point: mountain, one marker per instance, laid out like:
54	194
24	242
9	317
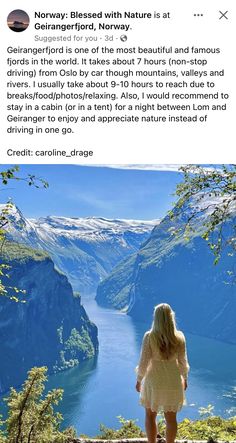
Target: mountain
51	328
170	269
85	249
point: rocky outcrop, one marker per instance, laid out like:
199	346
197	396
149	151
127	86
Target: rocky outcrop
51	328
115	290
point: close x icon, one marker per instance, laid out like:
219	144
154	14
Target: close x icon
224	15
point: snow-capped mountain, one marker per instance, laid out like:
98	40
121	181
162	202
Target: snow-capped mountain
85	249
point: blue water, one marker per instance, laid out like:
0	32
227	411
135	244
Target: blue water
99	390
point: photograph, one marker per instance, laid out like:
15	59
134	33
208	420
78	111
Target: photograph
117	304
18	20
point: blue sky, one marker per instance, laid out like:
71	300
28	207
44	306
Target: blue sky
81	191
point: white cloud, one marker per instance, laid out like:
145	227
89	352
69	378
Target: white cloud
150	167
167	167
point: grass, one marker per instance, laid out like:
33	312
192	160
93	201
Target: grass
16	251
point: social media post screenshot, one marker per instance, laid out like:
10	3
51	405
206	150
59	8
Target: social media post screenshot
117	223
98	84
105	269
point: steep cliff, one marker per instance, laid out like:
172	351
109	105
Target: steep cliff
85	249
115	290
169	269
51	328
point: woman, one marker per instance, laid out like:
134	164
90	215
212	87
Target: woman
162	372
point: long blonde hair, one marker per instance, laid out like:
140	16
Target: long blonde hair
164	333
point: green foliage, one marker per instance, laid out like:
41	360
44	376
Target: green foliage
65	363
76	343
60	334
4	290
2	433
31	180
80	342
216	428
128	429
6	176
199	182
15	251
22	253
32	419
212	427
31	416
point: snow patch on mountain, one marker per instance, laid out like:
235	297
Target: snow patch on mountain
86	249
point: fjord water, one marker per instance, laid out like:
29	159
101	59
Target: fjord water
100	390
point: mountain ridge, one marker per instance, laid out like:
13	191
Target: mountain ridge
51	328
86	249
168	268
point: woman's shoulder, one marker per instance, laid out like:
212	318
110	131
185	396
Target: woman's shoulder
180	336
147	334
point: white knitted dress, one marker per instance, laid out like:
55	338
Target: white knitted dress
162	387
